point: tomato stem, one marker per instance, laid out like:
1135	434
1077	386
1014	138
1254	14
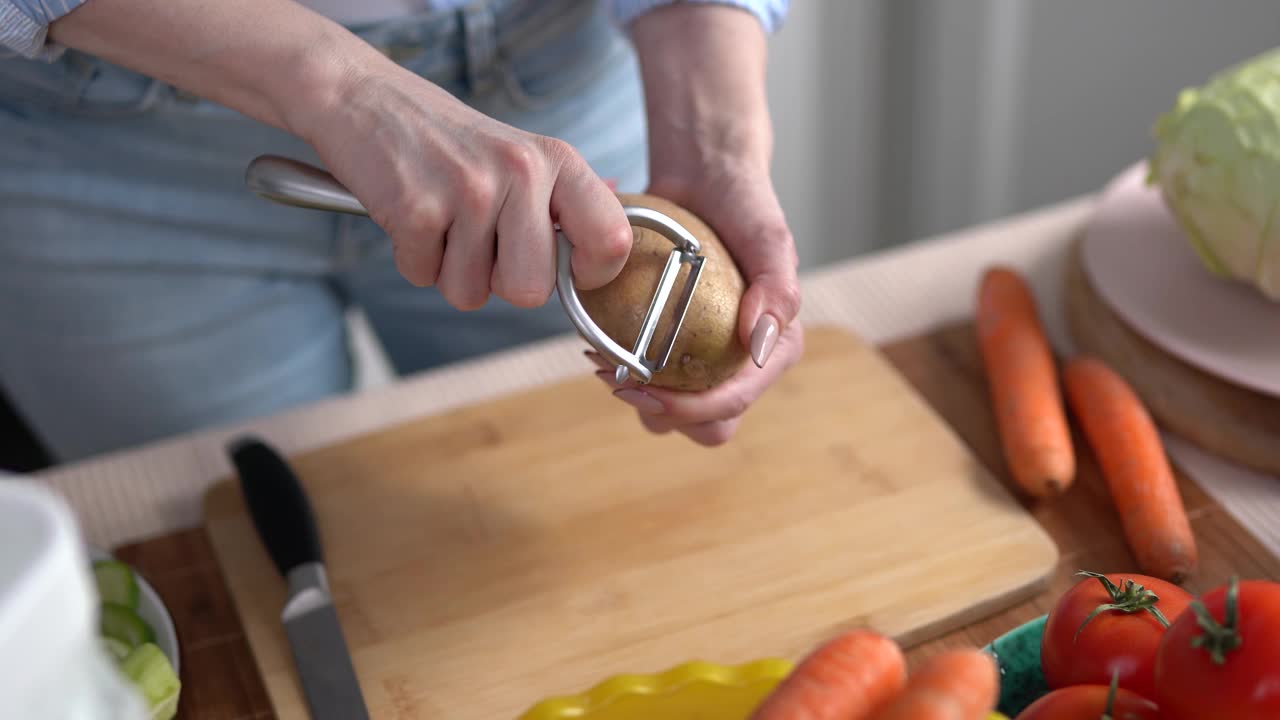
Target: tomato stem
1131	598
1111	696
1219	639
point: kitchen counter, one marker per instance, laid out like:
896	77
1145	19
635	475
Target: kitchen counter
158	488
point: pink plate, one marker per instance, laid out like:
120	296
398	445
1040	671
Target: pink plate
1144	267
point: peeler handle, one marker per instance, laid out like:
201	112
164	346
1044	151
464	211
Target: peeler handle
293	182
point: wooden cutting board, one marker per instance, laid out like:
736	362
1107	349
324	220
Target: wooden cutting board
1228	420
489	557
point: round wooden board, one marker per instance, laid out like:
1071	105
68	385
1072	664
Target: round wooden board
1225	419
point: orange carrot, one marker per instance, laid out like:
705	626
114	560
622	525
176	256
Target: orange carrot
846	678
1023	384
952	685
1133	462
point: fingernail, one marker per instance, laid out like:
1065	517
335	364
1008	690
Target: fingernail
640	400
596	358
608	377
763	338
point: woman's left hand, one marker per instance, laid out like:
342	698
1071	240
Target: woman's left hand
744	213
710	148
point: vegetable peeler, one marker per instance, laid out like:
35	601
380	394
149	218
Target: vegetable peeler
292	182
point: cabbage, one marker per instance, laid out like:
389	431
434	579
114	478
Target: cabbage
1217	165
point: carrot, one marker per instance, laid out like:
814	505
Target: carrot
1023	384
846	678
1137	472
952	685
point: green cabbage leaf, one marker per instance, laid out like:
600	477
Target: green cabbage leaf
1217	165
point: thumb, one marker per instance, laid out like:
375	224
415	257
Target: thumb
769	265
592	218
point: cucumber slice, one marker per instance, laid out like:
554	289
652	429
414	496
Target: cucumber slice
123	624
151	672
116	583
165	709
118	648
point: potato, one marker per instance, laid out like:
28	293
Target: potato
707	351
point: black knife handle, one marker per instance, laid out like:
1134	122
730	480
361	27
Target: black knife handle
277	504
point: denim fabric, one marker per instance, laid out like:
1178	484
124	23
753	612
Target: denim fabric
144	291
24	24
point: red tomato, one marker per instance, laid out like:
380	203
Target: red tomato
1122	637
1089	702
1222	659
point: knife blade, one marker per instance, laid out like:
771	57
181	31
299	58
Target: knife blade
286	525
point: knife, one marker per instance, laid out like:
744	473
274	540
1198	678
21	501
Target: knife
286	525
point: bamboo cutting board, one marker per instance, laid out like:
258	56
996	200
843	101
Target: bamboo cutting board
486	558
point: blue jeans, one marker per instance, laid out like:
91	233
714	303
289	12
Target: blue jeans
144	291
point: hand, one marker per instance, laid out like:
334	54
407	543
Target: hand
469	202
710	147
741	207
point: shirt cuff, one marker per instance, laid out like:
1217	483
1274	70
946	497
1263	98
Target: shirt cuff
23	35
770	13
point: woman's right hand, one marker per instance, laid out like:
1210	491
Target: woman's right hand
469	202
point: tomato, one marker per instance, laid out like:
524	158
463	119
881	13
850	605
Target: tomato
1222	659
1122	637
1090	702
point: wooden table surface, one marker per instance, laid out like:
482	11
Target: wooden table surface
221	681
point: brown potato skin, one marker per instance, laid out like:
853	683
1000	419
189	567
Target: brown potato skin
707	351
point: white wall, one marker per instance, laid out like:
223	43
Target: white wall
1101	71
901	119
825	78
